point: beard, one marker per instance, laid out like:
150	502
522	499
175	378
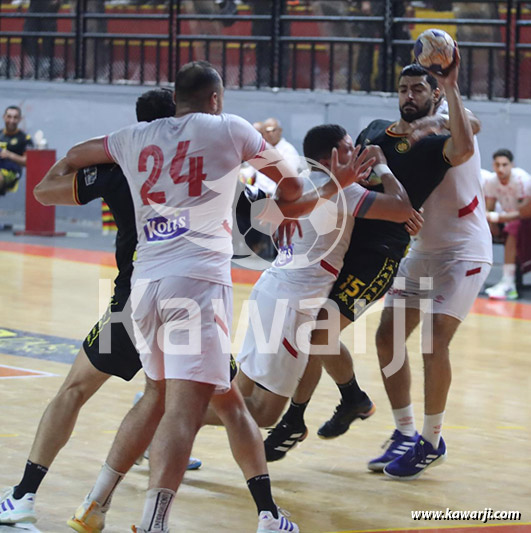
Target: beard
414	112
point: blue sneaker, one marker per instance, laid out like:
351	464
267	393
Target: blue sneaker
421	456
194	463
395	447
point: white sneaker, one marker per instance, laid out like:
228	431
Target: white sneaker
88	518
13	511
267	523
502	291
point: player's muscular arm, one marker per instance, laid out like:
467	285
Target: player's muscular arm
357	169
460	147
56	188
271	163
393	204
87	154
439	124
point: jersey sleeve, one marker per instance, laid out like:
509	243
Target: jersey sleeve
118	145
247	141
358	199
433	156
95	182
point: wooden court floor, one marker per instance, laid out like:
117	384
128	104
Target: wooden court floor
52	293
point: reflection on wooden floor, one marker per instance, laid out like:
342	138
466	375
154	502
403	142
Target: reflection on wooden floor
324	484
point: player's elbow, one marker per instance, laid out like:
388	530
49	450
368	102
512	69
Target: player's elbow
463	153
290	189
42	194
402	210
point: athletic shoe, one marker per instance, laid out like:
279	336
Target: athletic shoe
502	291
13	511
416	460
88	518
394	447
344	415
267	523
282	438
194	463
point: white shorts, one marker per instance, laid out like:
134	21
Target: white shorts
182	330
455	284
278	363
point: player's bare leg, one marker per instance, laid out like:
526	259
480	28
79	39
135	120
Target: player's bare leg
264	406
133	437
59	418
397	385
437	367
55	428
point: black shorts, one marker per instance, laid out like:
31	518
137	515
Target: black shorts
123	360
365	277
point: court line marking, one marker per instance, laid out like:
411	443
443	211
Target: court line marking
34	373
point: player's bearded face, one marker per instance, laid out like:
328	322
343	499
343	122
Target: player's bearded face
413	110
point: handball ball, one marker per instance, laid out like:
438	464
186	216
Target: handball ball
435	50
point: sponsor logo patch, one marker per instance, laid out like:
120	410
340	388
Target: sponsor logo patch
164	229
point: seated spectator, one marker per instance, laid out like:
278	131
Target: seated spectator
272	133
13	146
511	188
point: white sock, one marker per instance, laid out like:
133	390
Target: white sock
108	480
432	428
405	420
509	273
157	510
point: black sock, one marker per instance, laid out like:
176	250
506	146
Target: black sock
32	478
260	488
295	413
351	392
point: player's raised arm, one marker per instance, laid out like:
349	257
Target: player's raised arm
460	146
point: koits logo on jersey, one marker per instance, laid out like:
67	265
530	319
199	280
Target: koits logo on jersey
163	229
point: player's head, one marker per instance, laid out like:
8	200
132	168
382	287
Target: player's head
198	88
12	117
502	163
417	92
154	104
272	131
320	141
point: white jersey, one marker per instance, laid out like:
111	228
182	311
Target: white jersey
512	193
455	220
317	258
182	173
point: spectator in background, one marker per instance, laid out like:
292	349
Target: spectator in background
511	187
13	146
30	45
273	135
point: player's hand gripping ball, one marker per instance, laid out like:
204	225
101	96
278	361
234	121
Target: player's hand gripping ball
436	51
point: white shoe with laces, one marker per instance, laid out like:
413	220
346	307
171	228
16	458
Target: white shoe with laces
267	523
14	511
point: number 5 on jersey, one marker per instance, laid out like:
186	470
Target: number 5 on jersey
194	177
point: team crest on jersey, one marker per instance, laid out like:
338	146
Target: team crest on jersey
402	146
164	229
13	141
90	174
